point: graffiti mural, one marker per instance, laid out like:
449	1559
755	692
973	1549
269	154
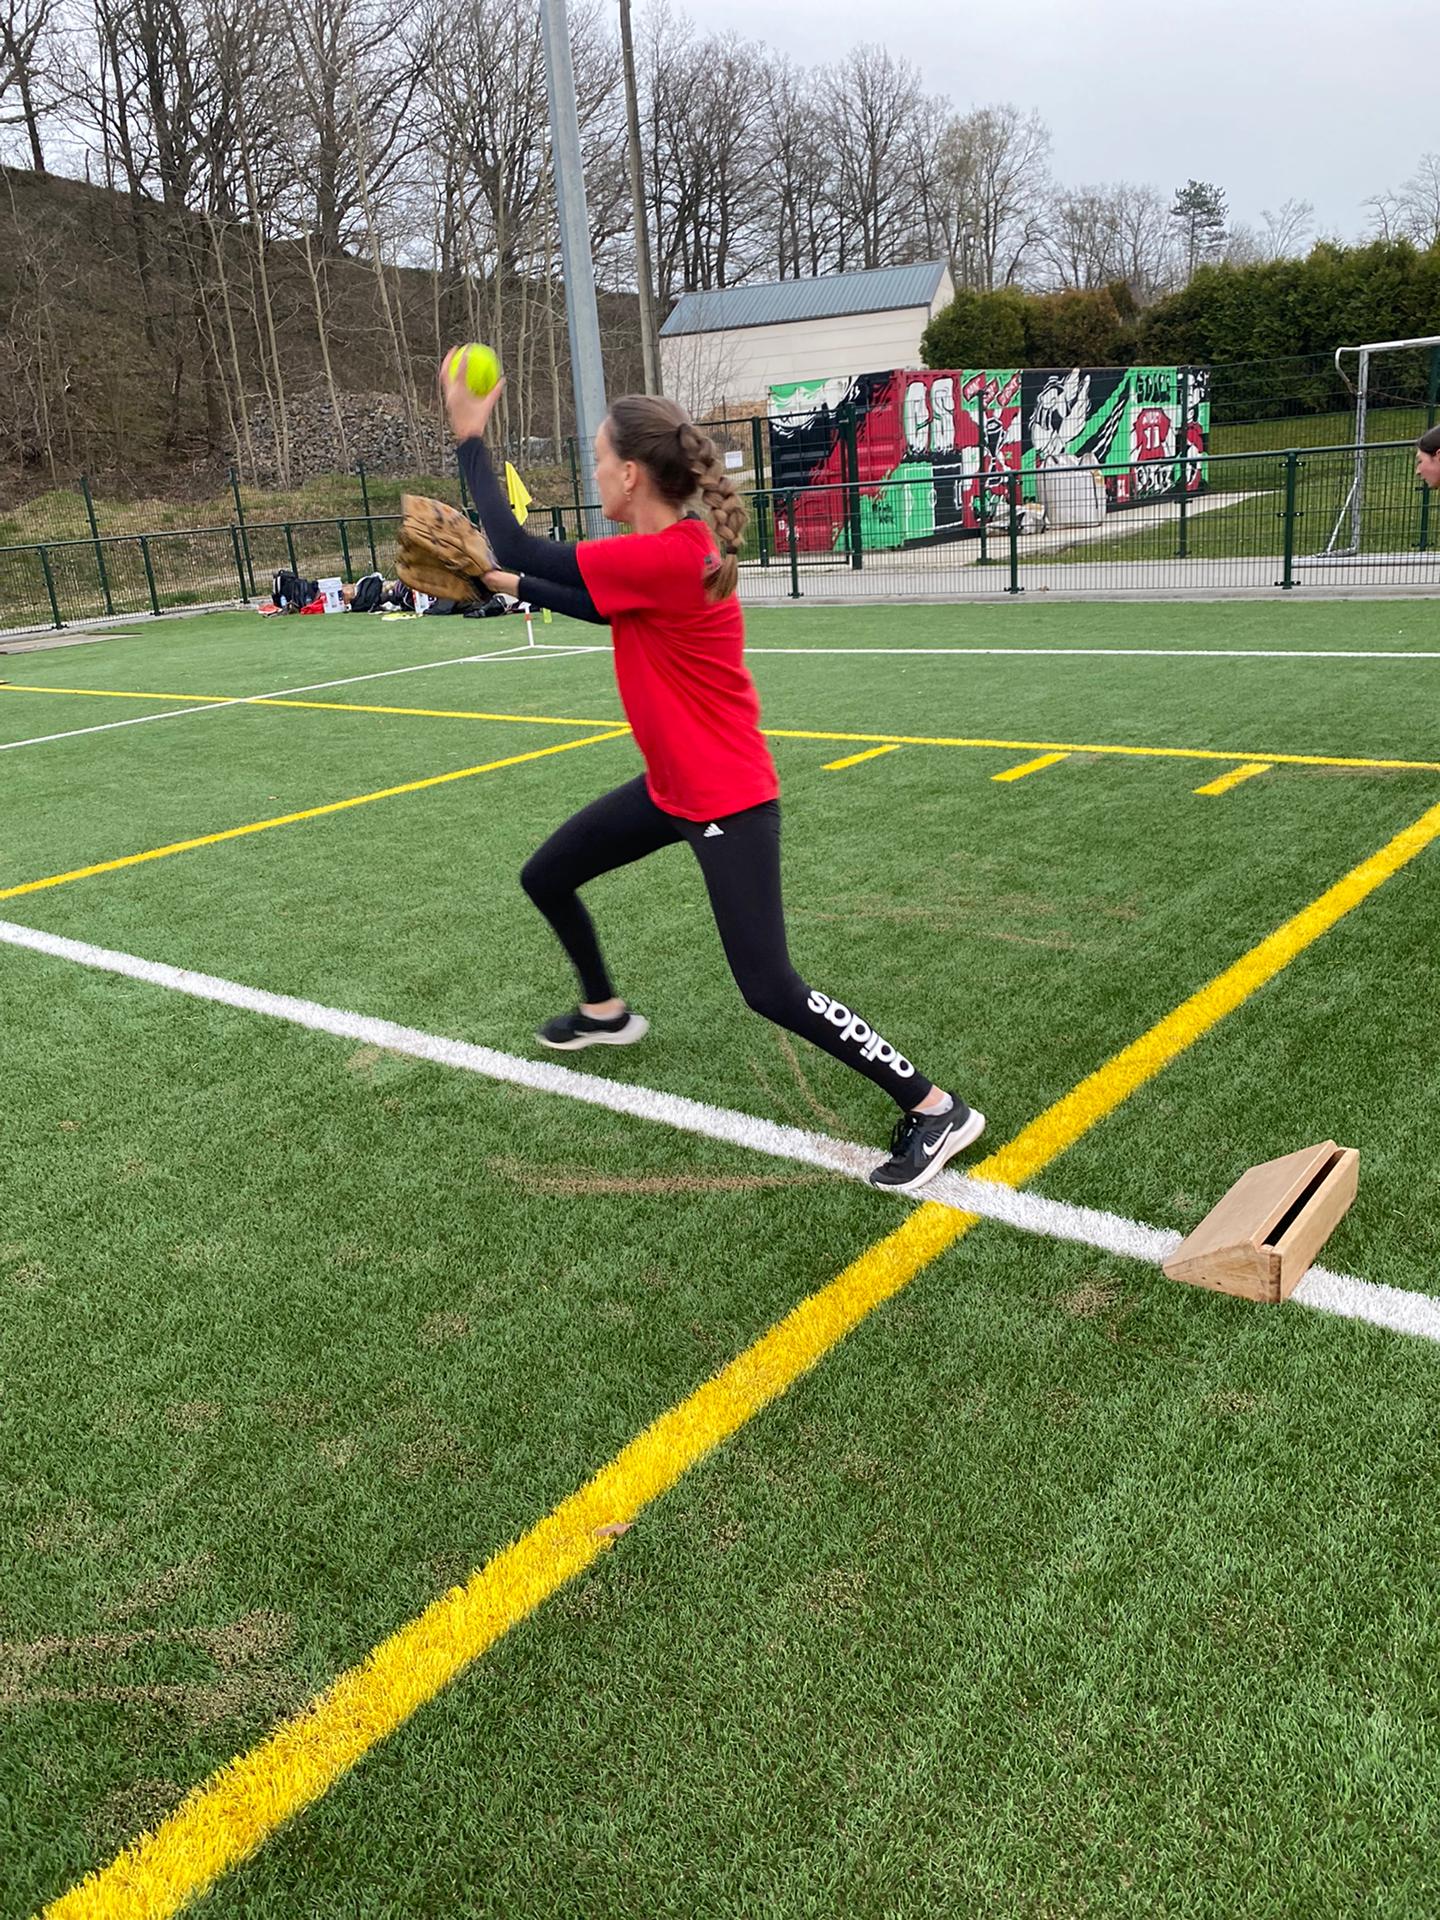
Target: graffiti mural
911	458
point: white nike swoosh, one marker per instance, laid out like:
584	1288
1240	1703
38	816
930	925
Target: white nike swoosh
929	1151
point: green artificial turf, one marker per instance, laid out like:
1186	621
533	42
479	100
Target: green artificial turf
1054	1590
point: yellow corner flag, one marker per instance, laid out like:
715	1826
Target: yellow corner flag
519	494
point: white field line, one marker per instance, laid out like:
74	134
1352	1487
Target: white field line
521	652
1336	1293
1106	653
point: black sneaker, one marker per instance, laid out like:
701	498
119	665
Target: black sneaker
577	1029
922	1143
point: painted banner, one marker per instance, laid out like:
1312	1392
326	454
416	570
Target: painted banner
908	459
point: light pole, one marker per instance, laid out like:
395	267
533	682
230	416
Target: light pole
581	316
649	346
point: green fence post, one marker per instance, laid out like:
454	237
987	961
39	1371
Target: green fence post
149	574
50	586
1013	488
95	536
290	547
557	523
1182	447
244	530
852	492
1292	470
757	451
794	552
575	483
239	559
345	548
369	520
982	514
762	526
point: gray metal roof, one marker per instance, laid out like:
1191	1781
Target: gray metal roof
879	291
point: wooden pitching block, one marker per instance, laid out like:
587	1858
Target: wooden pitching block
1268	1229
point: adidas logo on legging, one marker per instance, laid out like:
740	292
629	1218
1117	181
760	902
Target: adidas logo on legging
853	1028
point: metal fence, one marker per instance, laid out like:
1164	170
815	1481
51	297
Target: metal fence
1312	519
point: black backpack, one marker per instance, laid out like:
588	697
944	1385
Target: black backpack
369	592
290	592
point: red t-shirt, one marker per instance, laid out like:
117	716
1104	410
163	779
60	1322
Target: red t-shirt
680	664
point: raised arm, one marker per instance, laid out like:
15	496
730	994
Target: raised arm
516	550
548	571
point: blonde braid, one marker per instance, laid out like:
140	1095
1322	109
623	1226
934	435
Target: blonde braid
723	504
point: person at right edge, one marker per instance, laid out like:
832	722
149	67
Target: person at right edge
667	590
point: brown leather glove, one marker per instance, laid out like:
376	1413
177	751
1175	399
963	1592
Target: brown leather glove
438	551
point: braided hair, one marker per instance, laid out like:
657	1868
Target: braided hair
684	464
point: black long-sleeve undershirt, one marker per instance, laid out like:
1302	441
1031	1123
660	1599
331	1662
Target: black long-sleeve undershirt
549	570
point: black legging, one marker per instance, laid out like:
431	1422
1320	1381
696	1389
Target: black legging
741	865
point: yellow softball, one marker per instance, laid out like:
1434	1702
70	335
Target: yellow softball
482	367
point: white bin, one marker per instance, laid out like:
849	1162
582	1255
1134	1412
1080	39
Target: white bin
1072	496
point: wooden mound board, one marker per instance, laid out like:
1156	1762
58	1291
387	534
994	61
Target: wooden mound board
1269	1228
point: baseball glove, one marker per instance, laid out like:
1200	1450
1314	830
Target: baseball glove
439	552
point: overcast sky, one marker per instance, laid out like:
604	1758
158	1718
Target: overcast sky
1322	100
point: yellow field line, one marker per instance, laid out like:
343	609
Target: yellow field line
1235	776
225	1820
854	759
789	733
1031	766
289	819
324	706
1076	746
109	693
432	713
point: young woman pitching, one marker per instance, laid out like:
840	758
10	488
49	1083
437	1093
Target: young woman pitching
667	592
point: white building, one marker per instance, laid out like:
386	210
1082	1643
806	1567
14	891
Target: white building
729	348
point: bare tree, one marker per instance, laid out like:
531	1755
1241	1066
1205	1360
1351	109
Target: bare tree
997	173
870	102
1417	204
1242	246
800	212
703	106
28	69
343	51
1284	233
1082	240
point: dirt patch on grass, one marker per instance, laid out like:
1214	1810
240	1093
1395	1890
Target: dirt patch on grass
252	1638
136	1808
816	1106
193	1416
193	1256
425	1444
439	1329
77	1527
247	1685
1089	1302
1229	1404
161	1589
835	1593
572	1185
297	1411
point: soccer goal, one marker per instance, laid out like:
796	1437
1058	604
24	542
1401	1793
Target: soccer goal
1349	516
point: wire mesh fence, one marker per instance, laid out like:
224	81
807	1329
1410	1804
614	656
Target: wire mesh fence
1308	519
